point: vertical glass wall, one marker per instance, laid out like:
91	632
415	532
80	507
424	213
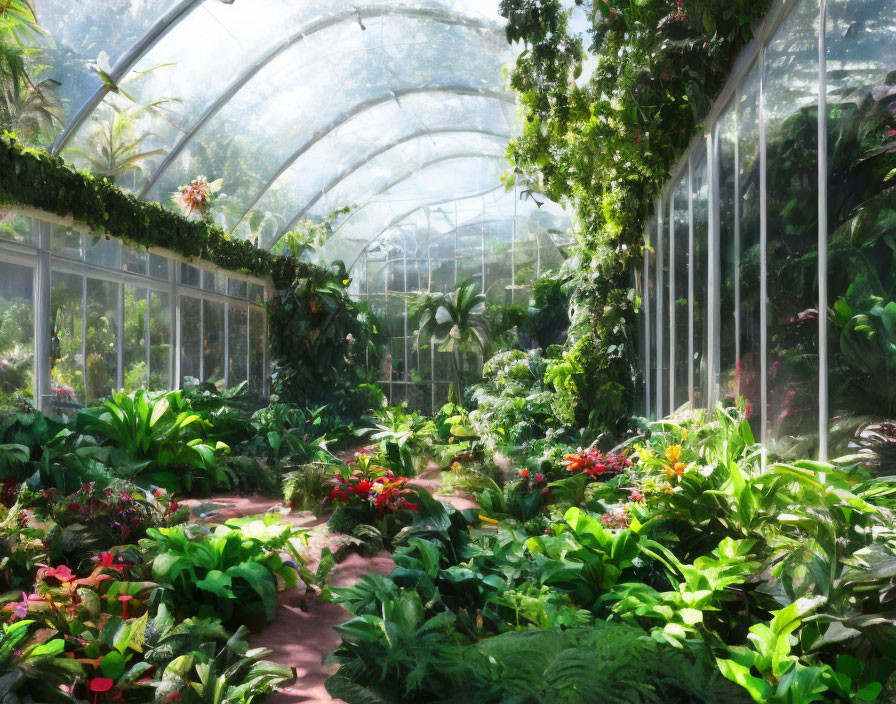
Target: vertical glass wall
820	346
107	321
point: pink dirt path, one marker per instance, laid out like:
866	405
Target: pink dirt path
302	634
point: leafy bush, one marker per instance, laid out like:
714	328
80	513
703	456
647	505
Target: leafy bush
231	571
158	436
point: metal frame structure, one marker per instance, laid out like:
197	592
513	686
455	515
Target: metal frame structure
45	260
295	39
751	65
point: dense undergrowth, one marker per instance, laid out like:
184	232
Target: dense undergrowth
685	566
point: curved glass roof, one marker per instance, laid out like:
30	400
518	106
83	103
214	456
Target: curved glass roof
301	107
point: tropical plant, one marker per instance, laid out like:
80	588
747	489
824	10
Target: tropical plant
232	571
456	322
158	435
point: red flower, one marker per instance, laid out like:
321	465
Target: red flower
363	487
407	505
524	473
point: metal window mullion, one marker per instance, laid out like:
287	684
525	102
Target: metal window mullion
659	310
407	359
147	323
691	259
84	334
202	339
738	372
671	304
174	356
646	352
119	338
712	308
43	311
823	401
763	249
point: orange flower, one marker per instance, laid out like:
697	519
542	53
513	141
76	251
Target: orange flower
673	453
676	470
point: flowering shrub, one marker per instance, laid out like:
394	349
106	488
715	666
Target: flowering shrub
596	465
377	490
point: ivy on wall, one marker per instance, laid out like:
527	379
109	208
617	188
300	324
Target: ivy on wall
606	143
35	179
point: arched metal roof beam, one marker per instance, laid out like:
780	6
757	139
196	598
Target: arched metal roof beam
159	29
356	110
382	150
441	16
410	212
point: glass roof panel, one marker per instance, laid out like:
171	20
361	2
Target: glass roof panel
307	198
397	108
320	84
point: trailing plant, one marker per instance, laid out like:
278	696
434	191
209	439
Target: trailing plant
34	179
606	142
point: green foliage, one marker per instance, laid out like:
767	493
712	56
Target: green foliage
606	142
37	180
457	323
322	342
160	436
230	571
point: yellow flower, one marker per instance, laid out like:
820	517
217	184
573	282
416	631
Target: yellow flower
684	434
673	453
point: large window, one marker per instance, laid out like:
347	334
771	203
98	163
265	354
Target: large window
783	239
108	321
16	331
861	137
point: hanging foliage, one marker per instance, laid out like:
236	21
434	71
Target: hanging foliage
606	143
32	178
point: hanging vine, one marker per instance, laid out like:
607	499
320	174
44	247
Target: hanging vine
606	143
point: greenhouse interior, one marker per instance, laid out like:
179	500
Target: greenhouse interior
481	351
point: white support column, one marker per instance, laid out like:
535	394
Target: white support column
119	334
227	345
763	258
645	278
659	309
691	260
43	393
823	402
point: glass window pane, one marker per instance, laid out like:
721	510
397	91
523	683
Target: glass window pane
66	242
101	339
190	275
650	310
790	104
160	349
134	340
214	281
103	251
158	266
17	228
861	57
237	288
257	372
190	340
134	260
213	342
16	331
664	260
679	289
66	343
748	374
256	293
699	256
729	241
238	331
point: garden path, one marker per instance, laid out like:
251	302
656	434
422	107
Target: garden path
302	634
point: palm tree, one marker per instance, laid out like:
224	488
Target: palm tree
457	322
